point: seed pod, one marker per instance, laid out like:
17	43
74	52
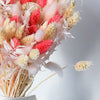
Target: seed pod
34	54
28	39
82	65
50	32
19	32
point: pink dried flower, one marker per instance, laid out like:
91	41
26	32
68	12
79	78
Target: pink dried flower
11	2
32	29
56	18
44	46
34	18
14	43
42	3
14	18
25	1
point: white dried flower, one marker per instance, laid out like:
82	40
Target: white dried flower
21	61
82	65
34	54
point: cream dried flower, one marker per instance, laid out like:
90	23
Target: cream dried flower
73	19
44	26
10	30
30	5
70	10
2	36
22	61
82	65
28	39
6	22
50	32
19	32
34	54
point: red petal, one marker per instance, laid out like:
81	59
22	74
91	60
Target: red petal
25	1
56	18
42	3
32	29
44	46
16	42
34	17
14	18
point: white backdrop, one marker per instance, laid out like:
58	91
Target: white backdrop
78	85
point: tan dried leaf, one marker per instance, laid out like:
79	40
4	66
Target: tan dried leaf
82	65
28	39
50	32
34	54
19	32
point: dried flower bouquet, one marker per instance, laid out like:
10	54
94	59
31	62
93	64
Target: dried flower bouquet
29	32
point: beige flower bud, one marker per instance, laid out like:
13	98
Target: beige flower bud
73	19
21	61
70	10
82	65
34	54
28	39
50	32
10	30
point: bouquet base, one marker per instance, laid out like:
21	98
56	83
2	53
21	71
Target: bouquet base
20	98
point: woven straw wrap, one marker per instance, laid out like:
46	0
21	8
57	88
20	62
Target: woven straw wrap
17	84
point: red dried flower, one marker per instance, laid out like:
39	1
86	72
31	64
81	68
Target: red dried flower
11	2
25	1
44	46
56	18
42	3
14	18
32	29
15	43
34	18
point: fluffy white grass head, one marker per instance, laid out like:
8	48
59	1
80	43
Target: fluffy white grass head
82	65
